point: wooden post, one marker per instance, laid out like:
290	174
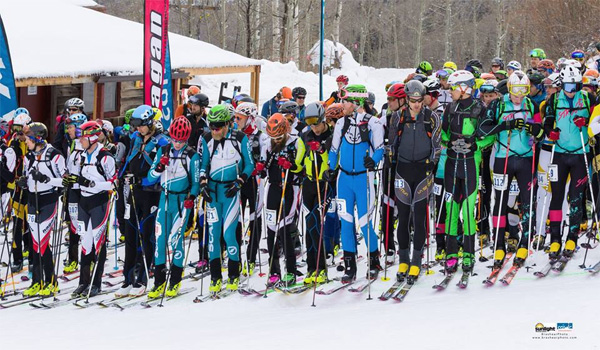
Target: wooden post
255	84
98	101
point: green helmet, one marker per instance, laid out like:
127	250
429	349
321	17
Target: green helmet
539	53
425	68
219	113
355	93
128	115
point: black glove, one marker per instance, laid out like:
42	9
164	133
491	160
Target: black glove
514	124
330	175
22	182
39	177
369	163
534	130
204	192
234	188
82	181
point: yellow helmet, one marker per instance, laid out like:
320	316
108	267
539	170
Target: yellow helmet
158	113
450	65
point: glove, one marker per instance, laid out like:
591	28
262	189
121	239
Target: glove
69	180
369	163
160	167
514	124
259	169
330	175
22	182
204	193
534	130
580	122
39	177
82	181
284	163
314	146
234	188
188	203
554	135
459	146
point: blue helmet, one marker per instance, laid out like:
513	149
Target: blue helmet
76	119
21	110
142	116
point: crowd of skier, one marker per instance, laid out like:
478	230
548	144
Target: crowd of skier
474	157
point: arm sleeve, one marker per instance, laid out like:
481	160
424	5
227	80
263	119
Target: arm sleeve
110	170
376	138
247	155
7	171
58	162
335	144
436	146
153	176
489	124
195	173
300	151
205	159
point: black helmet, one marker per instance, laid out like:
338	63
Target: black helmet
298	91
501	87
415	89
419	77
38	131
474	63
497	61
289	107
536	78
239	98
199	99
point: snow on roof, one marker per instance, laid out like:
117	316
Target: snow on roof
57	39
84	3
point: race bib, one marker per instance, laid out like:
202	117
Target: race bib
399	183
542	179
500	181
332	207
126	215
553	172
341	206
271	217
514	187
480	183
437	189
448	197
211	215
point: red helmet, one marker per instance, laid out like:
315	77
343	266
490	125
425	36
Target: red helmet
180	129
91	130
397	91
342	79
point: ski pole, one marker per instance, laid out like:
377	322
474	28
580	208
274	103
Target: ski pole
37	220
203	245
116	267
533	180
368	231
59	226
316	174
277	225
587	172
184	217
504	187
387	216
12	277
469	211
139	231
194	229
547	190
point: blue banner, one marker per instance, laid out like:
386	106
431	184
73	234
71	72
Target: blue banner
8	91
167	91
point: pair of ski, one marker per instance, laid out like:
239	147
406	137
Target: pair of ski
507	278
224	293
556	265
397	291
462	284
134	300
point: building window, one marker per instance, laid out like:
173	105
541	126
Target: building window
111	104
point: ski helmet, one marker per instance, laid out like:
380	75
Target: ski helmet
107	127
371	98
314	113
335	111
128	115
158	126
289	107
553	80
142	116
433	87
519	84
573	63
450	65
419	77
387	86
502	87
424	68
415	90
355	94
537	53
247	109
497	61
463	79
37	132
501	75
75	103
474	63
219	114
91	130
181	129
21	110
76	119
571	79
157	113
546	65
193	90
536	78
277	125
591	73
514	65
299	92
443	73
199	100
342	79
397	91
22	119
239	98
286	93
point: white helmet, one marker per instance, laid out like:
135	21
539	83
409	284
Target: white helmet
570	74
553	80
107	126
518	83
248	109
573	63
22	119
514	65
464	78
75	102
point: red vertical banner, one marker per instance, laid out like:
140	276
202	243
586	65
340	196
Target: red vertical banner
156	27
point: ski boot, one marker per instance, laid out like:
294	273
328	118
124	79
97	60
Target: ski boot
233	283
248	269
137	290
16	267
538	242
467	263
95	290
402	270
460	252
321	277
413	274
375	266
157	291
554	252
440	254
80	291
273	279
32	291
499	256
215	286
390	258
289	279
124	290
350	268
451	265
173	290
569	248
310	278
201	266
71	267
522	254
49	289
336	250
511	244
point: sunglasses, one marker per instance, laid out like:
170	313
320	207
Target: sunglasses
300	97
454	87
311	121
390	99
496	65
216	126
73	109
17	128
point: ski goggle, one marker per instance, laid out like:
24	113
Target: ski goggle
577	55
571	87
519	90
135	122
462	87
17	128
311	120
487	88
278	138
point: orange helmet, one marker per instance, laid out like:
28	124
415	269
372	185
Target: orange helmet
335	111
193	90
277	125
286	92
591	73
488	76
546	64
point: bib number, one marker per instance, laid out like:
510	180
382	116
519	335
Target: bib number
211	215
437	189
514	188
500	181
332	207
448	197
341	206
126	215
553	172
399	183
271	217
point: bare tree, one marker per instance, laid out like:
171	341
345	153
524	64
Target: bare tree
276	51
419	39
336	20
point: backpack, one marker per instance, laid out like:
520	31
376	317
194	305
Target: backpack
185	153
363	129
50	154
